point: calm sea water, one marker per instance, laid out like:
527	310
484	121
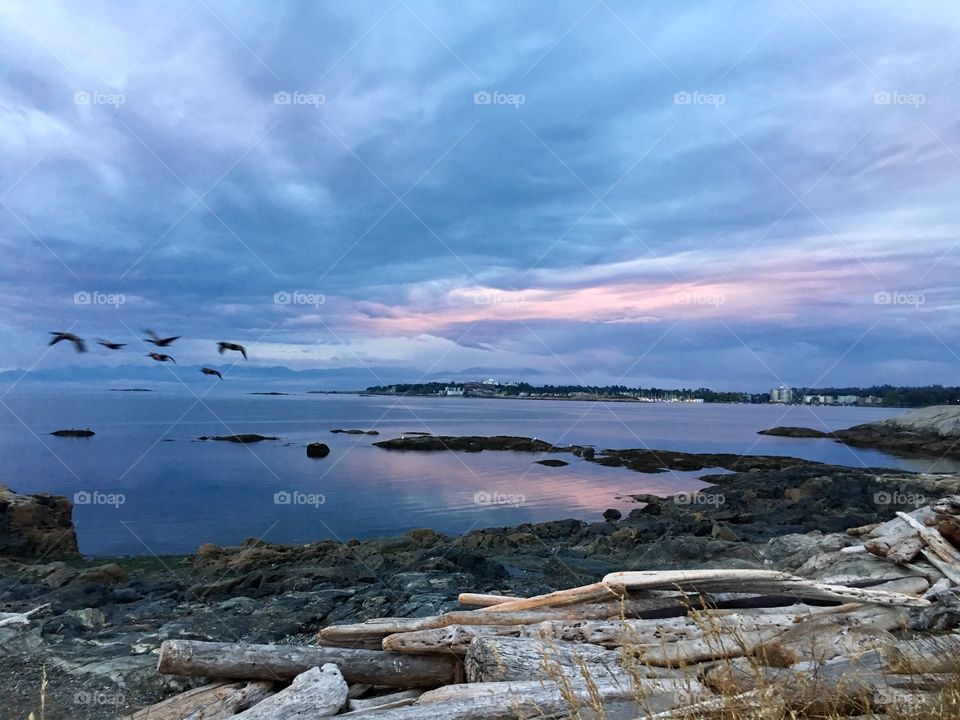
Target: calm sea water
154	489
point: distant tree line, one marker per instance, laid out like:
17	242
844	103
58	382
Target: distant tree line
893	396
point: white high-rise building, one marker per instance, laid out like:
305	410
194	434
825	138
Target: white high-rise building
781	394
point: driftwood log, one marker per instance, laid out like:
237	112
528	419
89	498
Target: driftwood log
209	702
284	662
318	692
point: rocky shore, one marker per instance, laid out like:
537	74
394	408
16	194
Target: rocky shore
106	619
927	432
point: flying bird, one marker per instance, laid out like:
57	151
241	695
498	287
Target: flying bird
211	371
78	343
160	357
222	346
111	345
159	341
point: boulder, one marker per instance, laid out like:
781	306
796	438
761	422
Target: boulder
317	450
612	515
38	525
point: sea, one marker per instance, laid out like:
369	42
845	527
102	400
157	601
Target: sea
146	485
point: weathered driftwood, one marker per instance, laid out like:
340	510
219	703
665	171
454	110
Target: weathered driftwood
318	692
757	581
374	631
938	544
397	699
820	644
585	593
501	701
284	662
481	600
949	572
209	702
938	654
19	619
515	659
900	549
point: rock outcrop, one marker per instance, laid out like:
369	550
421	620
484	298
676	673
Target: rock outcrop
37	525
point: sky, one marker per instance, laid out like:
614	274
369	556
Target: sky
733	195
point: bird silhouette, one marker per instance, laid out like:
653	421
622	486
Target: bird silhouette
78	343
160	357
159	341
211	371
111	345
222	346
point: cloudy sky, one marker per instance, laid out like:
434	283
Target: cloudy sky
700	193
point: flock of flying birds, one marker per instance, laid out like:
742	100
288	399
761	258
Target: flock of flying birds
80	345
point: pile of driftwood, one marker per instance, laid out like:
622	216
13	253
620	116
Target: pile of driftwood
668	644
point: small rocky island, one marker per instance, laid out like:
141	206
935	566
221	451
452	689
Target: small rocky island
932	431
74	433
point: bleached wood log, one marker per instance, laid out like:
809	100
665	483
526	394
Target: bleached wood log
900	549
950	572
757	581
897	525
932	537
941	585
374	631
466	691
820	644
586	593
397	699
20	619
283	662
515	659
481	600
317	692
936	654
502	701
737	705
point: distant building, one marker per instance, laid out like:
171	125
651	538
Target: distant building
489	381
781	395
450	391
847	399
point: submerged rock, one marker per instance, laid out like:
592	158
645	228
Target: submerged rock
87	432
245	438
355	431
795	432
317	450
